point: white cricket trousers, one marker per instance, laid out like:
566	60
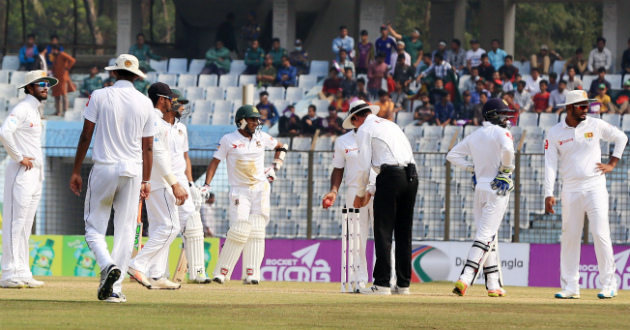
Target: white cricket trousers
106	188
163	229
22	192
366	220
248	200
575	205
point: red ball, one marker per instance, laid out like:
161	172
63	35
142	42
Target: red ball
327	203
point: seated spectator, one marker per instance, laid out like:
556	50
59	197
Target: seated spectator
465	112
299	58
621	103
508	97
594	90
400	52
339	102
364	51
28	54
277	53
578	62
399	97
436	93
413	44
553	82
141	84
486	70
91	83
217	60
349	85
363	97
386	44
254	58
625	61
508	68
424	114
471	83
506	84
272	115
494	89
143	53
332	125
573	82
441	49
342	42
361	87
386	106
424	64
267	73
110	80
376	72
532	84
403	73
456	56
557	97
600	57
541	100
480	88
331	85
478	119
496	55
602	98
344	62
542	61
310	122
473	55
444	111
522	97
289	123
287	75
439	68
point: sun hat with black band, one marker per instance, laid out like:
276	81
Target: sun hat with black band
127	62
576	96
36	76
356	107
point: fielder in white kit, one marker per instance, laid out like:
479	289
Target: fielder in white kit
249	193
21	136
123	156
574	143
149	265
492	151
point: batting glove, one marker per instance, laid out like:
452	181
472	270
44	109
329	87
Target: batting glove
471	169
195	196
270	173
503	182
204	192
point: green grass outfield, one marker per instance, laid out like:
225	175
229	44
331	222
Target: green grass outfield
70	303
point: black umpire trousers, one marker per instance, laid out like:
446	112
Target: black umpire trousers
394	202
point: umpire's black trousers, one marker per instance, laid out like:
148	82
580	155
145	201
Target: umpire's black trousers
394	202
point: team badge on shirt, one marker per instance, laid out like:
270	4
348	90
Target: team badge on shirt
258	144
588	136
236	202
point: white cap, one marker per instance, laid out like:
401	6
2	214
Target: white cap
577	96
358	106
37	76
127	62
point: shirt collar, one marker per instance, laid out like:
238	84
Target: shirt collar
487	124
123	83
158	112
584	122
32	100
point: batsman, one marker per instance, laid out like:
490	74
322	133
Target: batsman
492	151
249	209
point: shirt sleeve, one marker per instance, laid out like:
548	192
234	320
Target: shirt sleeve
150	125
551	165
371	188
364	160
507	148
339	161
91	111
457	155
269	141
612	134
7	132
185	130
222	149
161	155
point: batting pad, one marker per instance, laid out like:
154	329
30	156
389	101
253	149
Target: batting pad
236	238
254	249
193	234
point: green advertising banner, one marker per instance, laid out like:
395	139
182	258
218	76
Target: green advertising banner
46	255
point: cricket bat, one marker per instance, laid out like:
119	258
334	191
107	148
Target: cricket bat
137	243
182	267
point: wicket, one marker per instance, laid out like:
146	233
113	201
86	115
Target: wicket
350	247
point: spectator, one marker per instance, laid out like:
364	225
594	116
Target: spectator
344	62
558	97
385	44
361	87
496	78
456	56
508	68
399	97
250	31
542	61
141	84
506	84
444	111
435	95
299	58
289	123
310	122
91	83
254	58
508	98
400	52
349	85
386	106
332	125
465	112
600	57
272	116
54	40
478	119
486	70
207	216
621	103
424	114
471	83
577	62
625	61
496	55
217	60
277	53
287	74
364	54
28	54
226	34
143	53
376	73
573	82
424	64
342	42
553	82
480	88
110	80
541	99
62	64
522	97
413	44
403	73
533	82
267	74
339	102
440	50
473	55
494	89
594	89
440	68
603	99
331	85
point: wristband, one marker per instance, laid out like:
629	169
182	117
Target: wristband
190	183
170	179
146	181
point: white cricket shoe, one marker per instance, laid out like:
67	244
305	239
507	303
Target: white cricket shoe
607	294
163	283
116	297
109	276
377	290
32	283
566	294
200	279
250	280
140	277
398	290
219	279
12	283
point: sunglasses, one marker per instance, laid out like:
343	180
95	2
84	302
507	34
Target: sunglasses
42	84
166	97
581	106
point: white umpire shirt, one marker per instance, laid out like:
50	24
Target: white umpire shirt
21	132
490	146
162	171
578	151
179	146
380	142
345	156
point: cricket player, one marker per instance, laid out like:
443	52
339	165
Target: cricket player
492	150
574	144
149	265
244	150
21	136
123	159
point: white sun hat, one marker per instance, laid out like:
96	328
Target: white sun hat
358	106
32	77
127	62
577	96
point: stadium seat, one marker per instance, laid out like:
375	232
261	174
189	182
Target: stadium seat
4	76
194	93
228	80
429	144
281	105
207	80
432	131
196	65
404	118
159	66
625	124
413	131
245	79
301	144
533	133
319	69
525	68
167	78
321	106
224	106
234	93
294	94
323	143
202	106
214	93
221	116
186	80
112	61
178	65
17	77
468	129
528	119
548	120
587	80
307	82
236	104
200	118
517	133
462	81
80	103
12	102
10	62
450	130
8	91
615	81
152	77
612	118
557	67
237	67
275	93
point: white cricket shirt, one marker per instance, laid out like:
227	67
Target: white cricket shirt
345	156
245	157
179	145
21	132
161	152
577	151
490	147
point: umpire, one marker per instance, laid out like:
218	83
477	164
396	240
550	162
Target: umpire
384	146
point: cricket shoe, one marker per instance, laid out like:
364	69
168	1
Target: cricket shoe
140	277
500	292
376	290
250	280
32	283
200	279
109	276
163	283
566	294
460	288
398	290
607	294
12	283
116	297
219	279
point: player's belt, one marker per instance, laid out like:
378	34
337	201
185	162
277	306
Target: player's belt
392	167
